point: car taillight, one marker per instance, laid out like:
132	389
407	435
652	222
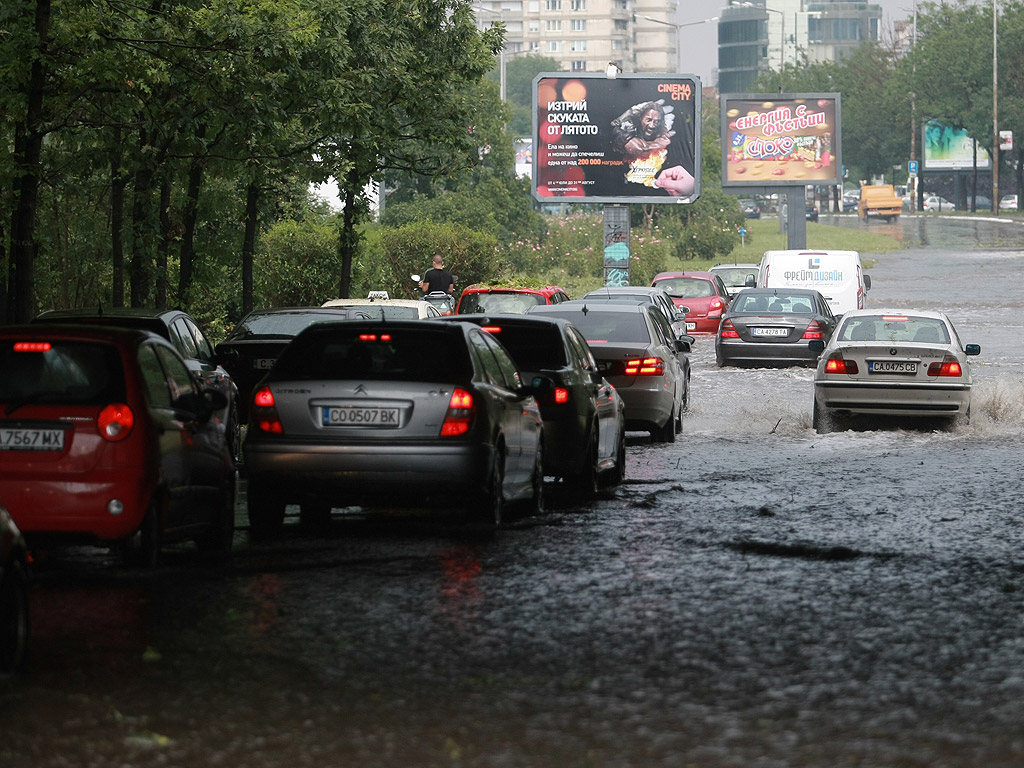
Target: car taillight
948	367
647	366
560	396
813	331
716	308
459	417
115	422
263	412
839	365
728	331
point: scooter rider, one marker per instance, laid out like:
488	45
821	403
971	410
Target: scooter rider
437	278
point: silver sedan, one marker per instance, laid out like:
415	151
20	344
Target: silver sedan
892	363
401	413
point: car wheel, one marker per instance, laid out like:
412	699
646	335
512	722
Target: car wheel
720	359
686	399
142	548
315	515
617	474
666	433
678	423
266	513
536	504
488	510
586	482
233	435
14	617
221	534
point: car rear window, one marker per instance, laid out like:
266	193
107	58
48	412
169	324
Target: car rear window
400	354
283	325
686	287
499	303
533	348
894	328
603	327
60	372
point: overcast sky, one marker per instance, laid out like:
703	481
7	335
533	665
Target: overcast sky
700	42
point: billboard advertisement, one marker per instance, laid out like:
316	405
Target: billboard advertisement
633	138
950	149
781	139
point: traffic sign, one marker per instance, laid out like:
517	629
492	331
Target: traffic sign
912	167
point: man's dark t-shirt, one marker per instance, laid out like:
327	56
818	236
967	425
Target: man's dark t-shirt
438	280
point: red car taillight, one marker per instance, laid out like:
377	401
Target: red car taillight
727	330
813	331
838	365
263	412
716	308
948	367
560	395
459	417
647	366
115	422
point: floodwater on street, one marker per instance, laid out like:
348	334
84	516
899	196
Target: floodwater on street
754	596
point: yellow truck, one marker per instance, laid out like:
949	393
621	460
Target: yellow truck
879	200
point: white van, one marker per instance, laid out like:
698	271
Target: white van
836	275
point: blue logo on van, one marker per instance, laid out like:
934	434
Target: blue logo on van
814	263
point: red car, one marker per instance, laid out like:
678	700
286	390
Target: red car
106	436
703	293
505	300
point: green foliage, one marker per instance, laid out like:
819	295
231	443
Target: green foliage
296	264
471	256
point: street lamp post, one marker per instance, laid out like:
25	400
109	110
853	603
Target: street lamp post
679	47
995	111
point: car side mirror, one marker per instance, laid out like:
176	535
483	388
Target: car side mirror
682	345
682	312
415	278
972	349
816	345
867	282
750	282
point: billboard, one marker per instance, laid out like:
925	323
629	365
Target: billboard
950	149
633	138
771	140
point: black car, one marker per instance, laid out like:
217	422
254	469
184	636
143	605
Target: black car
772	326
637	352
750	208
584	427
251	348
14	597
184	333
646	294
811	213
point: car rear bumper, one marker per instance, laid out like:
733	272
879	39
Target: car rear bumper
645	406
414	474
63	505
919	399
748	352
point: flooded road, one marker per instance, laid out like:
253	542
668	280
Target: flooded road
755	595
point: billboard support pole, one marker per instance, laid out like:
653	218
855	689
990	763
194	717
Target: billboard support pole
796	226
616	245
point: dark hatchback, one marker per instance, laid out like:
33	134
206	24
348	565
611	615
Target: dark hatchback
259	338
179	328
772	327
584	426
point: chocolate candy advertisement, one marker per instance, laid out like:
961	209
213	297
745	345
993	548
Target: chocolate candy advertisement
779	140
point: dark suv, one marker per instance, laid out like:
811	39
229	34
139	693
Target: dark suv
183	332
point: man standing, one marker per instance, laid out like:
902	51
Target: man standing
438	278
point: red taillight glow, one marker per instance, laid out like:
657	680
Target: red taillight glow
648	366
948	367
115	422
839	365
728	331
263	412
716	308
32	346
561	395
374	337
813	331
490	328
459	417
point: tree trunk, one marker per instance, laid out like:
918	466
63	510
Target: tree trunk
163	243
348	241
27	168
252	198
118	183
191	215
142	226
